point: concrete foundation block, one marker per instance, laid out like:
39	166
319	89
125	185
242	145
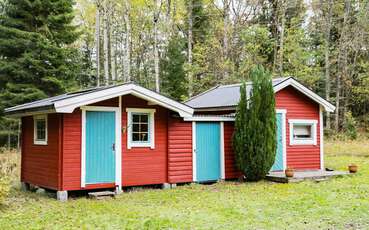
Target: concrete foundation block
25	186
173	185
62	195
166	186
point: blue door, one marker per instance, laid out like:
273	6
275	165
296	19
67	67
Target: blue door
278	163
207	151
100	147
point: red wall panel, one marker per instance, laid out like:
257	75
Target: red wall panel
231	171
300	106
40	163
179	151
141	165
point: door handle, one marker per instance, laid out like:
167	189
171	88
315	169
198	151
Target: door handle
113	147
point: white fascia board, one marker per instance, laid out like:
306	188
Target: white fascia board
315	97
68	105
208	118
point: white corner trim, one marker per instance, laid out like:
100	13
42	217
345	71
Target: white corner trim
283	111
118	148
309	93
68	105
312	122
35	141
321	138
83	150
222	156
194	174
152	132
208	118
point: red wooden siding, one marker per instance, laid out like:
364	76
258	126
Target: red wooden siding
231	171
71	157
141	166
179	151
40	163
300	106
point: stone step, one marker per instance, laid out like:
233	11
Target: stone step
101	194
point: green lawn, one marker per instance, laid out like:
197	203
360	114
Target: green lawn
341	203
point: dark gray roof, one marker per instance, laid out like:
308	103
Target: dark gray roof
222	96
48	103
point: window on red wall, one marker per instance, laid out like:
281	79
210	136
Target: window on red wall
40	129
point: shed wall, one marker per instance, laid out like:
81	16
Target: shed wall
179	151
40	163
300	106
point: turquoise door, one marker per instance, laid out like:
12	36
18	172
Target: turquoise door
278	163
207	151
100	147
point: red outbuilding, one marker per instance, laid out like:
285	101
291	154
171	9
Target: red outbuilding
127	135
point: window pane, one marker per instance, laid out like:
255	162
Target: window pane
302	131
135	137
144	118
136	118
143	127
143	136
136	127
40	129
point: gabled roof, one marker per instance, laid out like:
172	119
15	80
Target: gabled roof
227	96
66	103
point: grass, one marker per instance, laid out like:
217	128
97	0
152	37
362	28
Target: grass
341	203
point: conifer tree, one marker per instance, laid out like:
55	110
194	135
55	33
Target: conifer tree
255	127
173	75
36	57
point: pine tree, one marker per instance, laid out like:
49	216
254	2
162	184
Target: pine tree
255	127
36	58
239	135
173	75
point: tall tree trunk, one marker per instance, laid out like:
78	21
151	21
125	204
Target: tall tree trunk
327	35
190	42
156	50
281	36
97	41
127	59
113	57
226	5
106	44
342	62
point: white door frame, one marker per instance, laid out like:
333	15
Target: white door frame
284	138
194	152
118	141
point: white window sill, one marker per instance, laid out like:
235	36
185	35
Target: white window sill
303	142
40	143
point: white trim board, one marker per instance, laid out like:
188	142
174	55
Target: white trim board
321	132
194	172
118	138
208	118
69	104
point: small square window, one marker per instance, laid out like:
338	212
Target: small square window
303	132
140	127
40	129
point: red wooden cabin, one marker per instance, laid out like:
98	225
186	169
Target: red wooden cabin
127	135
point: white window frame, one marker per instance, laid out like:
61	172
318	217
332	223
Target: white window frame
151	141
35	118
310	141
